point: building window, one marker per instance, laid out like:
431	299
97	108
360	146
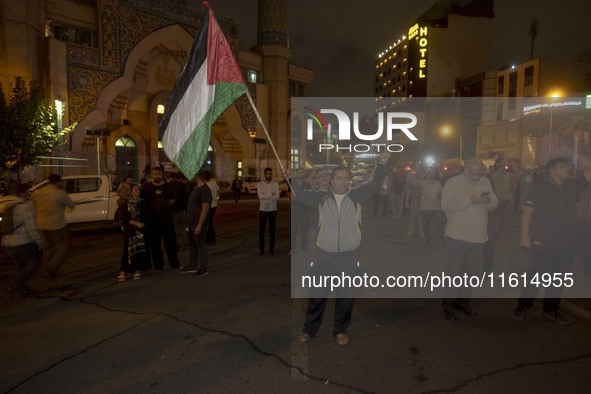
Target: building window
295	158
297	89
500	84
529	76
126	157
239	167
251	76
512	89
73	35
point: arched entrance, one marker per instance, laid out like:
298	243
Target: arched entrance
126	157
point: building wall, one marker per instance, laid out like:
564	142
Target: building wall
21	40
141	46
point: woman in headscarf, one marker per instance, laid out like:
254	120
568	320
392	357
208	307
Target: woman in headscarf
131	220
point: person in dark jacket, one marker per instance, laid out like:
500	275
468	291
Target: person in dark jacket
338	241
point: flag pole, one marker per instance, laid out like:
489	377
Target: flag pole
256	112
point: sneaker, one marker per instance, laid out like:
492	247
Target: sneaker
520	311
557	318
449	314
137	276
303	337
187	269
466	309
342	339
201	272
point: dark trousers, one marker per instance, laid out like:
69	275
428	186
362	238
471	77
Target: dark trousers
489	246
157	231
24	258
211	238
501	212
263	218
199	255
559	260
426	217
55	248
380	202
326	264
300	224
585	245
236	195
463	258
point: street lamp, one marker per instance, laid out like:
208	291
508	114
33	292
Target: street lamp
446	130
60	141
553	95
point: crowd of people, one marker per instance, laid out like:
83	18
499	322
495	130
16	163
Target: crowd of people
471	203
170	210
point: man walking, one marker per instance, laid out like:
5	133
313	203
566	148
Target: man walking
268	193
549	230
50	204
466	200
22	244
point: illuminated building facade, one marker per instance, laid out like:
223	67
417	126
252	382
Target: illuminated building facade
530	108
450	40
114	64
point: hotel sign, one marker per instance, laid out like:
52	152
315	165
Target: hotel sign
418	49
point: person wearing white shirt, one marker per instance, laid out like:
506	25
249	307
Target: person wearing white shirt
466	200
268	193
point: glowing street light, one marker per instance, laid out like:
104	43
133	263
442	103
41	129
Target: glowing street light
553	95
446	130
60	142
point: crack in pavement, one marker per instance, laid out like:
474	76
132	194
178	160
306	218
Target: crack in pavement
78	353
476	378
152	315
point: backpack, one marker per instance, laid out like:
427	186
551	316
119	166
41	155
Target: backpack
7	221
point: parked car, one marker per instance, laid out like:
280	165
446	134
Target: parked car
249	184
95	197
283	187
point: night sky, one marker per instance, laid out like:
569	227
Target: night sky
340	40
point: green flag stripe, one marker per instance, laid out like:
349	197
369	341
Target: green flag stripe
192	154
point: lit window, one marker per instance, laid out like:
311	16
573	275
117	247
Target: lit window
125	142
252	76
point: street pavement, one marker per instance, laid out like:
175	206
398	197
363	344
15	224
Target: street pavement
234	330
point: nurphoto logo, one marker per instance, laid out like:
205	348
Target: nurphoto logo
394	122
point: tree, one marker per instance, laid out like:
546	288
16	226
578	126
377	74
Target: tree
28	127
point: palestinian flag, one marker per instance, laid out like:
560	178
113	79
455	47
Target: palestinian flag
210	82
